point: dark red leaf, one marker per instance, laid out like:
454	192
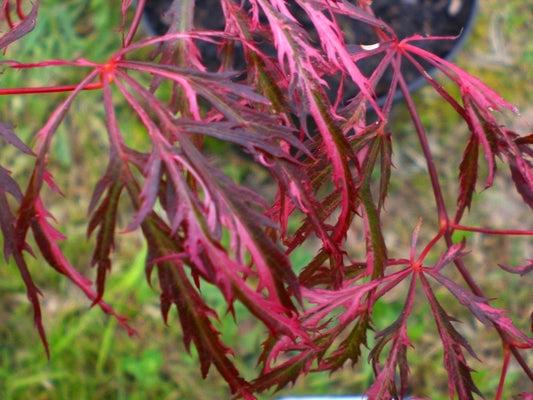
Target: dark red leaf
522	175
459	373
526	269
7	220
480	308
467	176
22	28
7	132
105	217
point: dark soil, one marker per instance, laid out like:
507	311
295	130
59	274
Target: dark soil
406	17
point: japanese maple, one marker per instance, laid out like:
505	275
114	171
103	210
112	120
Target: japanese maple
331	164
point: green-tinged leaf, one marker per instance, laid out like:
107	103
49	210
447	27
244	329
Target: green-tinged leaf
385	166
350	347
284	374
376	255
105	217
195	316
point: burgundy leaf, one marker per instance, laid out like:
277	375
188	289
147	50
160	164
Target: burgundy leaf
194	314
22	28
526	269
7	132
468	173
396	357
482	311
7	219
459	373
105	216
522	176
46	237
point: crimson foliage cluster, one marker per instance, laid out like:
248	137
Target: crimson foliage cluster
332	167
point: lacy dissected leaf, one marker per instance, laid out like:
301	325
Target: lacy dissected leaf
518	152
483	311
453	253
40	174
350	346
195	83
187	208
213	87
225	204
247	225
396	337
349	306
252	138
33	214
384	386
351	299
284	374
339	154
21	28
192	240
12	247
376	255
459	373
195	315
304	64
105	217
479	101
332	41
376	249
182	52
46	238
486	134
298	191
291	40
257	133
298	359
472	88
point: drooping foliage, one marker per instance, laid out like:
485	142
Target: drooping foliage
332	167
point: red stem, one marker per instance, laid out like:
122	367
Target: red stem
432	170
8	16
504	373
135	23
444	221
492	231
19	10
49	89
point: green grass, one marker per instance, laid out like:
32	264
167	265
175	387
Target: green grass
93	358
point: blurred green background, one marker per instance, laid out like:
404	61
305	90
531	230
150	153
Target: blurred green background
93	358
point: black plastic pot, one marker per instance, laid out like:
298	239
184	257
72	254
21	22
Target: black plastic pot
406	17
